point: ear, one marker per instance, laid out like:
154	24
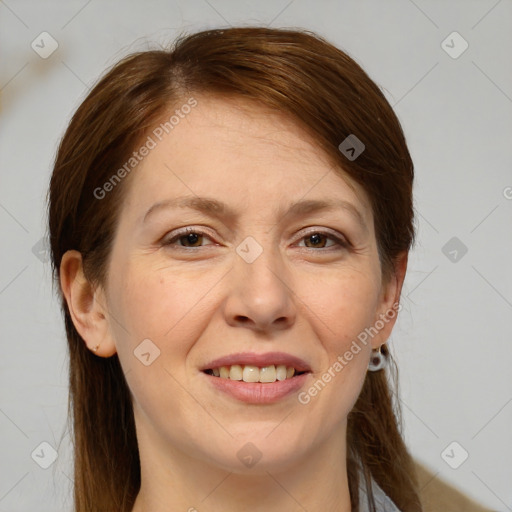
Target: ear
389	304
86	304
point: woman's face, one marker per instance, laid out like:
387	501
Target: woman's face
257	275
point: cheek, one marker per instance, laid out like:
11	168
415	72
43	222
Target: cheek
167	307
153	304
148	304
346	306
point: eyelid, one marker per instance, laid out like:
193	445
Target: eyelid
324	231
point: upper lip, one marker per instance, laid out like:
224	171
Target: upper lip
266	359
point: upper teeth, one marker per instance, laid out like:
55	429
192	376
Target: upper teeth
249	373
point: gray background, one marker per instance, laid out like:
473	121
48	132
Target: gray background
453	338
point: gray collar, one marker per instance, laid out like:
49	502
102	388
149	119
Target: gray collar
382	502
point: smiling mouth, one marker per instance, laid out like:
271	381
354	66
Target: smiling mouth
251	373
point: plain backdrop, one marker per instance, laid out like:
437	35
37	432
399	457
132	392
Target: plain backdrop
453	338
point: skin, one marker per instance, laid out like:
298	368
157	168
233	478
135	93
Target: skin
305	296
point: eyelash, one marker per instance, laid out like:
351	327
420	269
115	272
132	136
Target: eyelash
341	243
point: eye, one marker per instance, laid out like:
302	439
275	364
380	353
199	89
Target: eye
317	239
190	235
192	238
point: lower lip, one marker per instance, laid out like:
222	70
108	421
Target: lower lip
257	392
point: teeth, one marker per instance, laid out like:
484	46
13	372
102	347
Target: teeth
235	373
281	372
268	374
250	373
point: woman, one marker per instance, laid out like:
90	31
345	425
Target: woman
230	222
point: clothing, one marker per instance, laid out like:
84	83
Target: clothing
382	502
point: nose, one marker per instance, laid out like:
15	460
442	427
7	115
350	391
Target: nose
260	296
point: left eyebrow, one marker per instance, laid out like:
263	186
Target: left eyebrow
218	209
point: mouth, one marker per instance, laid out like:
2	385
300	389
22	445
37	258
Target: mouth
251	373
257	378
251	367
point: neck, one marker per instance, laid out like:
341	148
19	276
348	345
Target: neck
174	480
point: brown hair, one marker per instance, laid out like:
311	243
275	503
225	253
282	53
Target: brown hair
297	73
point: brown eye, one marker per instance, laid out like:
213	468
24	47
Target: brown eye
191	238
188	238
316	240
319	239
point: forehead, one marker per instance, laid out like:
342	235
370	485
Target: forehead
240	152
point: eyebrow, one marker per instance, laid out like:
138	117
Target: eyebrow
218	209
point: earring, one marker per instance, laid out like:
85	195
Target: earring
377	360
94	349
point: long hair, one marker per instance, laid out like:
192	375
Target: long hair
296	73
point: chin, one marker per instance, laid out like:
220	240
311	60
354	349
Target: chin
257	455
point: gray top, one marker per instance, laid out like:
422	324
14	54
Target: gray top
382	502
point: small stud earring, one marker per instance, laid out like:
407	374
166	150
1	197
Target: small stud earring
94	349
377	360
